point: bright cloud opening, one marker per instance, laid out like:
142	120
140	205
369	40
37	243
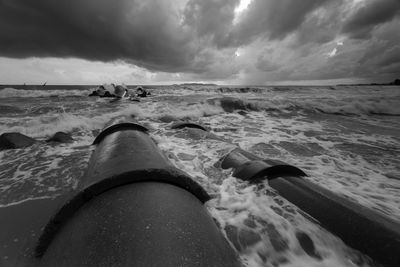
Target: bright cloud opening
243	5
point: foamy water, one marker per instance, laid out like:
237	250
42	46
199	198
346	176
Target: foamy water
346	139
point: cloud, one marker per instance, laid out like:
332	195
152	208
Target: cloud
372	14
147	33
266	65
270	40
268	19
209	18
271	19
322	24
390	56
382	49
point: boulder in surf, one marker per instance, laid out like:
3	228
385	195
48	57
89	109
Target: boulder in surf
141	92
15	140
94	93
61	137
108	94
120	91
101	91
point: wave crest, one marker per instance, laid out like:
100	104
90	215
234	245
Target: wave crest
388	107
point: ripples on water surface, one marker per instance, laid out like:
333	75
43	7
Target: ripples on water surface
347	139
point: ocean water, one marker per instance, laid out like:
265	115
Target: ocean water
346	138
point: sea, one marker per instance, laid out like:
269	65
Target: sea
346	138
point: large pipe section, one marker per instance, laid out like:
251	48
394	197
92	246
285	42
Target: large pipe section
250	167
133	208
359	227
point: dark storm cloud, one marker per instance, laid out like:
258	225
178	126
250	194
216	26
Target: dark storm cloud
271	19
321	27
145	32
383	48
210	18
207	39
390	57
372	14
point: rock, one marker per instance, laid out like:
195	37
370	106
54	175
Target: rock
61	137
107	94
15	140
94	93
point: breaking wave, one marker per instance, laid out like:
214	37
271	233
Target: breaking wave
264	228
388	107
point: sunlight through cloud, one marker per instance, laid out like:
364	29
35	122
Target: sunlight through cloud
243	5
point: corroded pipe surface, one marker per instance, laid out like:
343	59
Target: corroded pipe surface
359	227
250	167
133	207
141	224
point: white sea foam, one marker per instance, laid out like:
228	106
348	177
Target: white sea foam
260	225
41	171
354	156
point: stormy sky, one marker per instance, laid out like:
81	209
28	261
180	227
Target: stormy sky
219	41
